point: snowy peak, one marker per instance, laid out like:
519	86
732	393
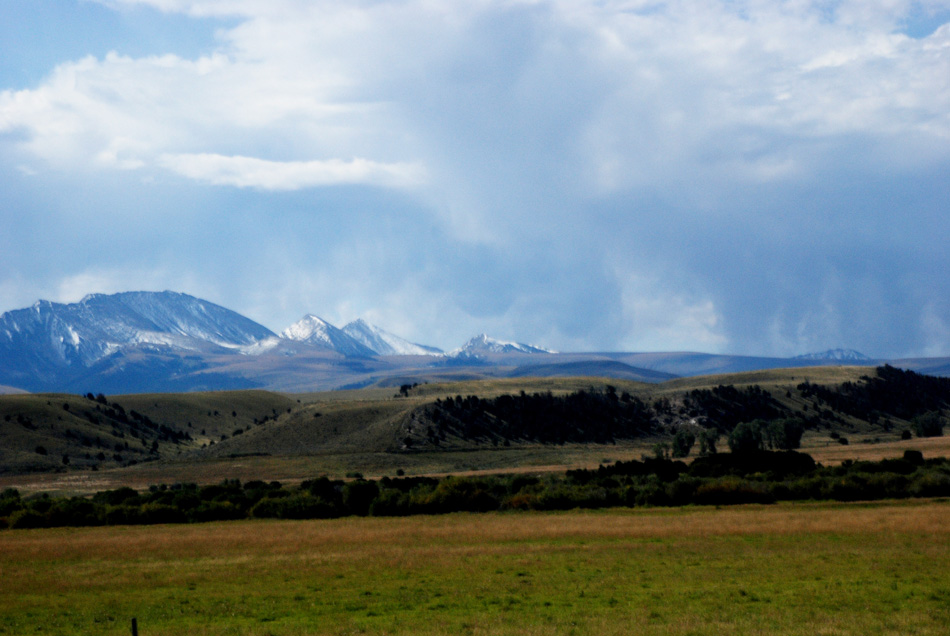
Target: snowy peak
384	343
178	314
309	328
317	331
483	344
99	325
839	355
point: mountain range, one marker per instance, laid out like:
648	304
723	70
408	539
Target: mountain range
136	342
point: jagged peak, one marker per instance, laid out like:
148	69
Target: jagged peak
483	343
306	327
383	342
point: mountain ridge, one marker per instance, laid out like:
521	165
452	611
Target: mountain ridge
314	330
142	342
385	343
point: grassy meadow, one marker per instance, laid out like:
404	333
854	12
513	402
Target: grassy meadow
783	569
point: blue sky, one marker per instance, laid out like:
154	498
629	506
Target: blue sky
753	177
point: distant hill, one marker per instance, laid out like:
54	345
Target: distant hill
590	368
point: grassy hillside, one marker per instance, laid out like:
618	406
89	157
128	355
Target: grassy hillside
440	427
67	432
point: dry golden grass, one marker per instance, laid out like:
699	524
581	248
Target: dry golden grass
780	570
829	375
829	452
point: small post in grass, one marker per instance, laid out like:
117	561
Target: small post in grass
135	627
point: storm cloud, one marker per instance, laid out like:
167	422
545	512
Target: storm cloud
764	178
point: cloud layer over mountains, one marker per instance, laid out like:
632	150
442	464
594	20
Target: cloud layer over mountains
752	177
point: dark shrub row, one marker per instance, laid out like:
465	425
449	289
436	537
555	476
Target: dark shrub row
726	479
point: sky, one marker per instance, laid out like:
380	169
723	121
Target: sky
755	177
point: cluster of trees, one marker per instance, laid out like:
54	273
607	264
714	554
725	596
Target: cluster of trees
604	416
750	416
579	417
724	407
779	434
750	476
890	393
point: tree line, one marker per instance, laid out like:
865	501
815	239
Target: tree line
752	476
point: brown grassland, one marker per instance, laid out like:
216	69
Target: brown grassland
800	569
526	459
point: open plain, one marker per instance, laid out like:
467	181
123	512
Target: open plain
803	569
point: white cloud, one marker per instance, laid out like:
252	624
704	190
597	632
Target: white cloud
530	135
659	319
676	86
935	325
164	112
249	172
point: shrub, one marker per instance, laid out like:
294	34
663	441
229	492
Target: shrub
930	484
682	491
324	488
9	501
846	488
785	434
461	494
391	503
565	497
216	511
27	518
117	497
683	443
301	505
75	512
732	490
928	425
707	441
746	437
777	464
123	515
359	495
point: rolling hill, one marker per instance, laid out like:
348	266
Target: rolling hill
58	432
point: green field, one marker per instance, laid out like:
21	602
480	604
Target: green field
784	569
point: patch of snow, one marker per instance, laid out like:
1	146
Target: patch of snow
316	331
385	343
260	347
483	343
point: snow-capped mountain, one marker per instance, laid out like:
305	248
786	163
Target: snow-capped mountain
385	343
50	341
139	342
99	324
483	344
317	331
840	355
